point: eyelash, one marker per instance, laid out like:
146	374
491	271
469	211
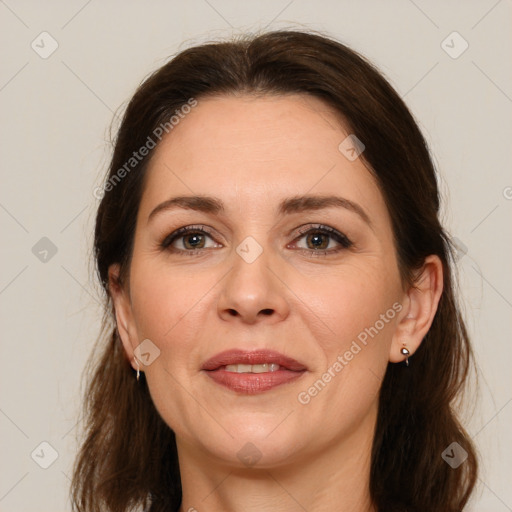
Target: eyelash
320	228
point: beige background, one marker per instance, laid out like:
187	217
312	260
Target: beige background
55	117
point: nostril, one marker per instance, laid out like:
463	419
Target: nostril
266	311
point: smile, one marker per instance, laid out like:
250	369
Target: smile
252	368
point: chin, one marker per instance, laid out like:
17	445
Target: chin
258	444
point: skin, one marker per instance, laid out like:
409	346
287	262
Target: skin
251	153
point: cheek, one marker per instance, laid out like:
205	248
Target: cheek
347	303
169	309
358	312
361	318
161	297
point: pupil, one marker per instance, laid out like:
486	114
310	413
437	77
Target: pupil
197	238
317	238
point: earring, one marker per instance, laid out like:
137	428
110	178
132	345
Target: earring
138	368
405	351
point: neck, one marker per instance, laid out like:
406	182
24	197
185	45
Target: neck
336	478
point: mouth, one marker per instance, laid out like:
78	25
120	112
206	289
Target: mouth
252	372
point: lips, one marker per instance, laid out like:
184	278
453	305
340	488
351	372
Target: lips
253	357
281	370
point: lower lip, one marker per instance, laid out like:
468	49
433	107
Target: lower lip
252	383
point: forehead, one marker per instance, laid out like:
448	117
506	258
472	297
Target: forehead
255	151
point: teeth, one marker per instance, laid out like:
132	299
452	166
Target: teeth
252	368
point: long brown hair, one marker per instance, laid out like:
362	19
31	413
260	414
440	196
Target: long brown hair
128	457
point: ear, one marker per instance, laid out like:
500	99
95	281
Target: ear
123	312
419	308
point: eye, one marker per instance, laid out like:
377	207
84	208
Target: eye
189	240
192	240
319	240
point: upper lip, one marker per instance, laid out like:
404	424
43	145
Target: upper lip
260	356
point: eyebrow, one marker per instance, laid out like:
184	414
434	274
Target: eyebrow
297	204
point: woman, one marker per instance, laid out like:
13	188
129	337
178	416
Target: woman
285	332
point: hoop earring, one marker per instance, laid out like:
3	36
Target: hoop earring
405	351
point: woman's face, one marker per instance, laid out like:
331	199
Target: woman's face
277	267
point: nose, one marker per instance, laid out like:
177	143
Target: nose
253	291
